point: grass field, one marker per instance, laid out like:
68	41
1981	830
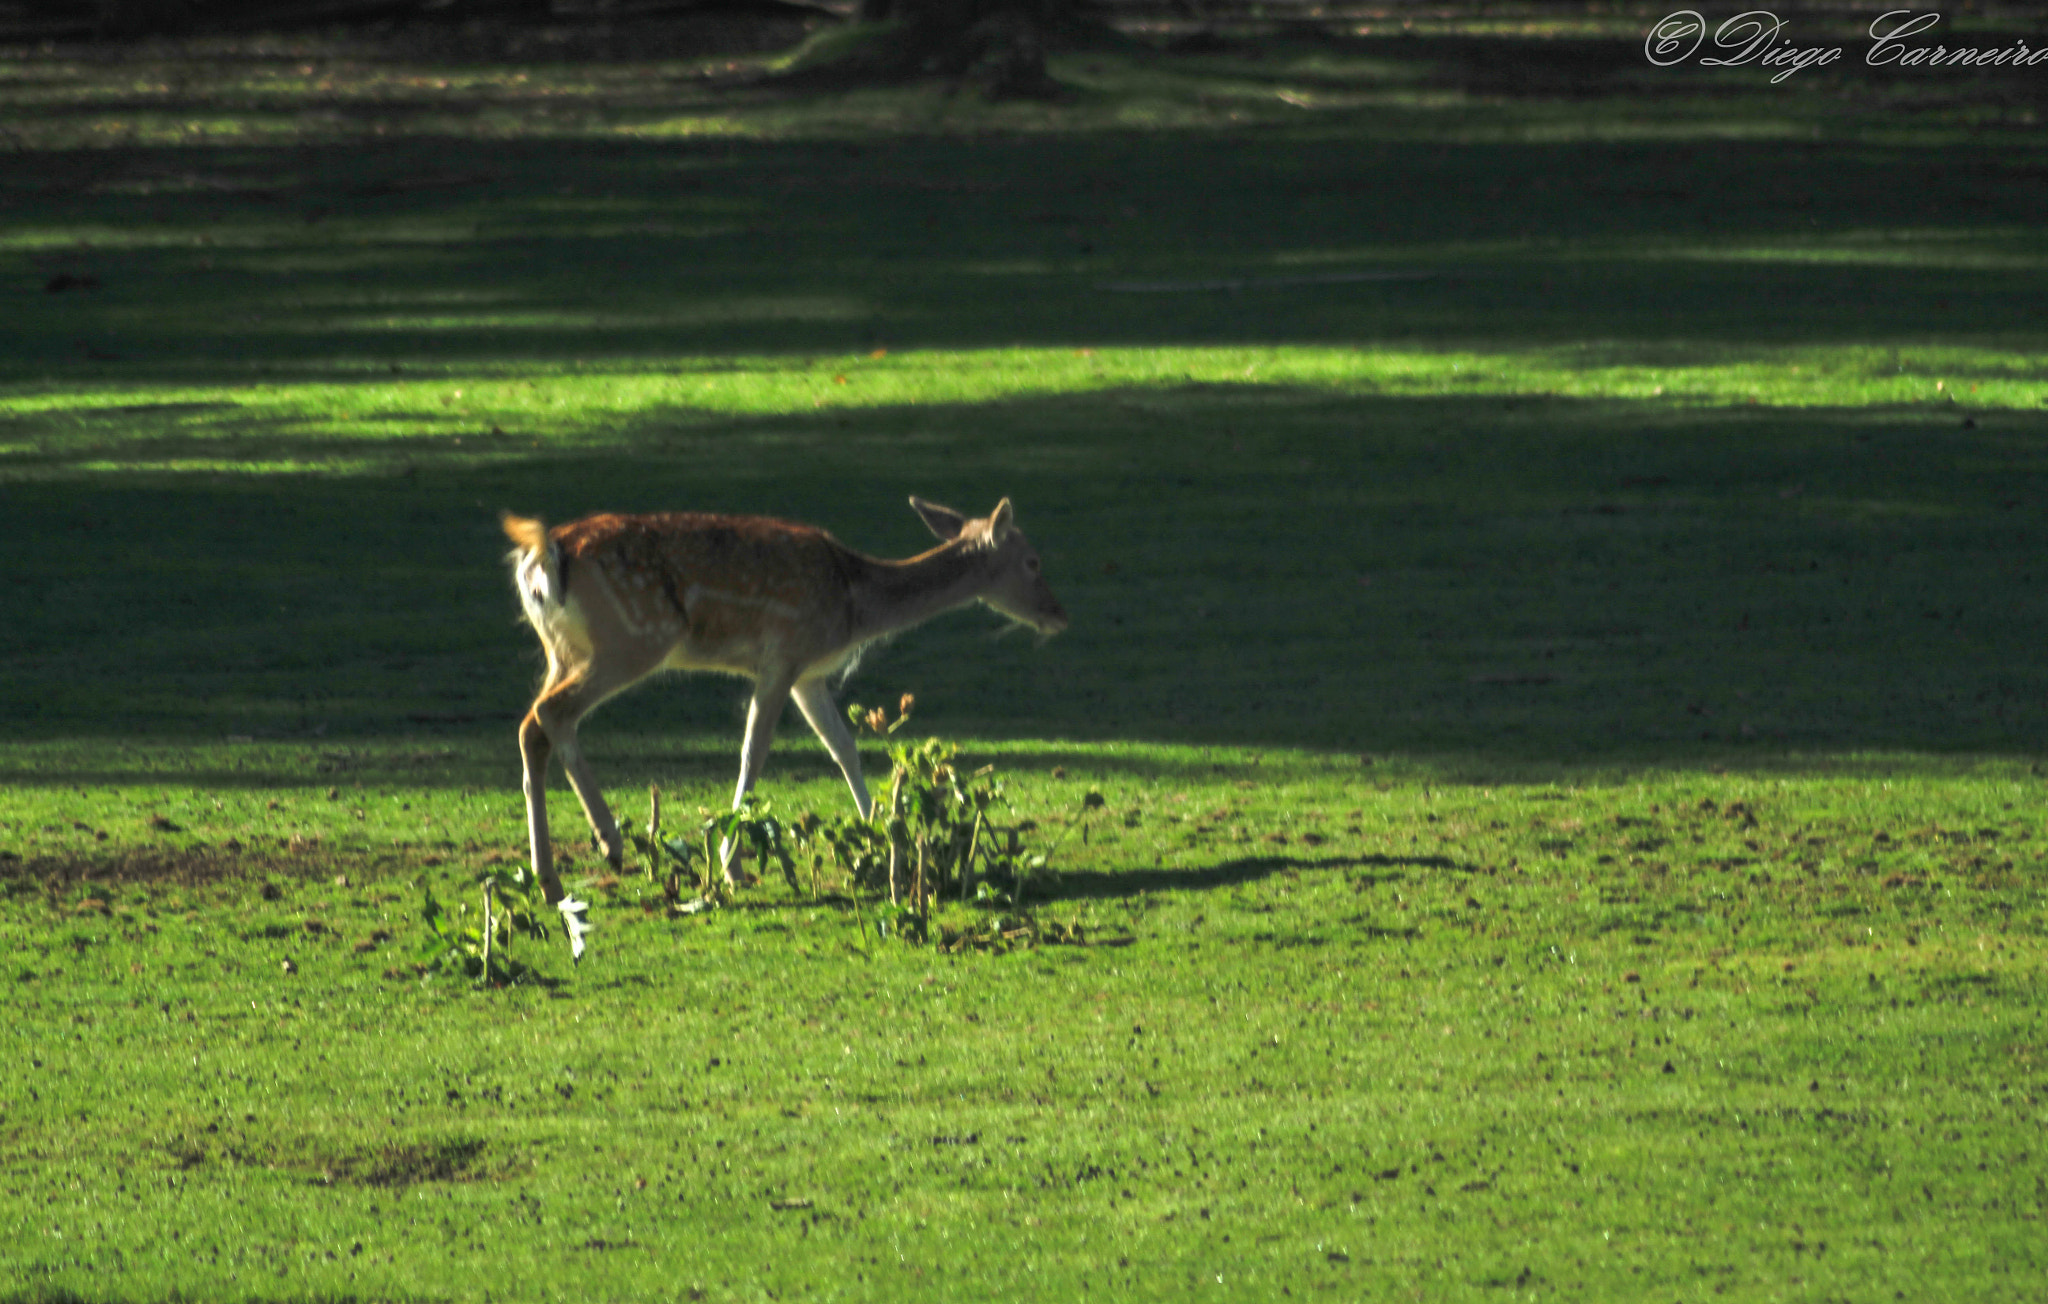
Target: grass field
1555	550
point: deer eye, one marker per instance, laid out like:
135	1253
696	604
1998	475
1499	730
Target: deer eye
1031	564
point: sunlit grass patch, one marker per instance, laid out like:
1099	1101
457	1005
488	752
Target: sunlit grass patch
1352	1002
1936	250
505	411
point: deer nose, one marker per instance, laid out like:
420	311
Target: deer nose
1055	621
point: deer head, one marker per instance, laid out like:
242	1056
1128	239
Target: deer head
1016	585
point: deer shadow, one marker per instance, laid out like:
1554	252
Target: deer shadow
1097	885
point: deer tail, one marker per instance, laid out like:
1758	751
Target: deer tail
536	564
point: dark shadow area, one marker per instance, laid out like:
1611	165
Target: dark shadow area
1093	885
338	263
1516	581
451	31
1529	192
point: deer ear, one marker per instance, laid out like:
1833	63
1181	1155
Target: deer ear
1001	521
942	521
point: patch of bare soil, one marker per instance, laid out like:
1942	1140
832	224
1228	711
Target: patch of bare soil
195	866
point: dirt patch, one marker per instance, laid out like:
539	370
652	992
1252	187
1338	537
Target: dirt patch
200	865
456	1159
408	1165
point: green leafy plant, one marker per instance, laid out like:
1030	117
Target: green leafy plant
935	837
754	828
675	860
480	946
858	848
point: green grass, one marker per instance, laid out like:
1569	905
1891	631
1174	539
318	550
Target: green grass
1776	1035
1555	554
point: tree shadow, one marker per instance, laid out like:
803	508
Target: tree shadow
1502	583
327	260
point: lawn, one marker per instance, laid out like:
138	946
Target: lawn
1554	548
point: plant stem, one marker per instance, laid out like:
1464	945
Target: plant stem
967	865
653	832
918	887
860	926
895	812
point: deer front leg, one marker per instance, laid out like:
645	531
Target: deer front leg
609	839
555	716
762	713
814	699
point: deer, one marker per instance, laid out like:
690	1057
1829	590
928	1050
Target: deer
616	598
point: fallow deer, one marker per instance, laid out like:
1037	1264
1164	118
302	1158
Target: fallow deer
616	598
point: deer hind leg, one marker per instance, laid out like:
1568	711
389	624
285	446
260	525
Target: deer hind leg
533	754
814	699
551	726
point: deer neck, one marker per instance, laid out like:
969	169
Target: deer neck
892	596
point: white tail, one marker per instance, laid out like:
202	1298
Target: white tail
616	598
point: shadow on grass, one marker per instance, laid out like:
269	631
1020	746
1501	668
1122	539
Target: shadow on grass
1517	582
1091	885
439	252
